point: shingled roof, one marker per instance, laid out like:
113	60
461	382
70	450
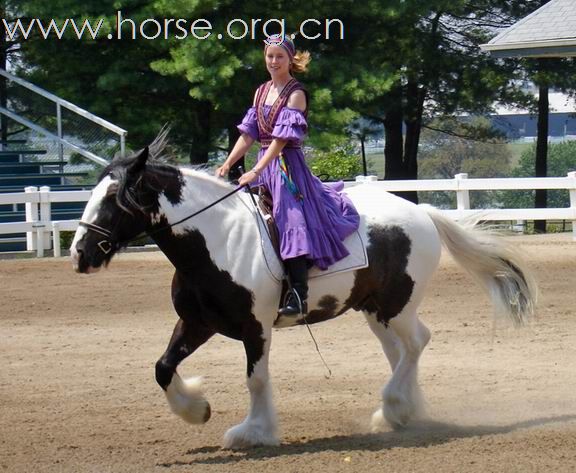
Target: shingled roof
549	31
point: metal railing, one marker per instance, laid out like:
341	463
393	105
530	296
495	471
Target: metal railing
42	232
72	129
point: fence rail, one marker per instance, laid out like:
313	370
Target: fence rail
71	128
43	233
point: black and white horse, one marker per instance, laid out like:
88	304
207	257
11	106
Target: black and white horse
222	283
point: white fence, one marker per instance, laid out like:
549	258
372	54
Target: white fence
43	233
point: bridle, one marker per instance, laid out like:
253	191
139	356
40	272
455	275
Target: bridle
107	244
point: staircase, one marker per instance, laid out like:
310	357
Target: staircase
46	134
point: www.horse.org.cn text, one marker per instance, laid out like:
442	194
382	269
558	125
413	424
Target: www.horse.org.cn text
124	28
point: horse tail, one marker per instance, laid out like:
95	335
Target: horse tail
493	261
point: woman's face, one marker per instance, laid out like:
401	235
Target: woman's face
277	60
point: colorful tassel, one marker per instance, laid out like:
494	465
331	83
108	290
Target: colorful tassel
287	178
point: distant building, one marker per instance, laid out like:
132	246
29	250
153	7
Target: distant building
549	31
520	125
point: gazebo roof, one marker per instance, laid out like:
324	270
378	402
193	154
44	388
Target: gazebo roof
550	31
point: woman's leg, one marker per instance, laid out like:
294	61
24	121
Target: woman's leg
295	303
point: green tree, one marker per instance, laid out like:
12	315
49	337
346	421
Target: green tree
400	63
201	86
9	47
445	153
414	60
546	73
114	78
226	71
341	163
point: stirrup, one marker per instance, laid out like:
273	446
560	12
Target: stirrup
293	305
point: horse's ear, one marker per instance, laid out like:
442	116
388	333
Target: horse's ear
139	162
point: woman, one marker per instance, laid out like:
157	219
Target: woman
312	218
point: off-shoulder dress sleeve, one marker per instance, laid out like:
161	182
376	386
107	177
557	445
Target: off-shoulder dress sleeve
290	125
249	124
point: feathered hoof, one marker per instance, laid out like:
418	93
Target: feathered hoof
398	412
245	436
186	400
377	423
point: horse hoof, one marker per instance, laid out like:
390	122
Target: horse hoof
377	422
208	413
246	436
186	400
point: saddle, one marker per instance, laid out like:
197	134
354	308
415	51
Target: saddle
265	206
357	259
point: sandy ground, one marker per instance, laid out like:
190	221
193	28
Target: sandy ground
77	389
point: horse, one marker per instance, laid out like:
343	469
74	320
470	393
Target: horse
221	283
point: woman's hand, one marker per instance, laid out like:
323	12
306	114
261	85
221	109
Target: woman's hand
247	178
222	171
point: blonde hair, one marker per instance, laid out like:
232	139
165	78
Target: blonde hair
300	62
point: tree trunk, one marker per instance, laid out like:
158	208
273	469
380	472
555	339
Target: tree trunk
541	169
394	145
202	134
413	119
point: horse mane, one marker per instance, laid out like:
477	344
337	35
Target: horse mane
157	149
159	170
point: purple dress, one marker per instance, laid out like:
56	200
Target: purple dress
316	224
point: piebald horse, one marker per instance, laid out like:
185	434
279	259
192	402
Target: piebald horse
222	284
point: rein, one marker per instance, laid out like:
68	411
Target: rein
107	245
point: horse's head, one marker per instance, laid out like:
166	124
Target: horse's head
114	215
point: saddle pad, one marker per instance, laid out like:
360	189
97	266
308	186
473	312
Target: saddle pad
357	259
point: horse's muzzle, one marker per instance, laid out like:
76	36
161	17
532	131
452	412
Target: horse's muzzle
80	263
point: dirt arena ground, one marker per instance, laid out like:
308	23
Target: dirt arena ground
77	389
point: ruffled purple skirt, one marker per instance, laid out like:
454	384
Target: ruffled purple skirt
316	225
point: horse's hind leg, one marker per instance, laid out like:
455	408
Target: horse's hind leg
390	342
184	396
403	342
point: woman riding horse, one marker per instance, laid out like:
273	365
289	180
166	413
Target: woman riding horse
313	218
199	221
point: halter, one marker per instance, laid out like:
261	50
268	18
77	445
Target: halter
106	245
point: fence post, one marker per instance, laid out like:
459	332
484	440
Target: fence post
39	228
60	134
572	190
31	216
122	145
362	179
56	239
462	195
45	215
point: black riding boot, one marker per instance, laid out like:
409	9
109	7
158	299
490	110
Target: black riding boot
295	302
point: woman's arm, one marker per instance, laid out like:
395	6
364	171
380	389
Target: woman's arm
243	144
273	150
241	147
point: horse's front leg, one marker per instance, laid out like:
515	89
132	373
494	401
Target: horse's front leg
260	426
184	396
